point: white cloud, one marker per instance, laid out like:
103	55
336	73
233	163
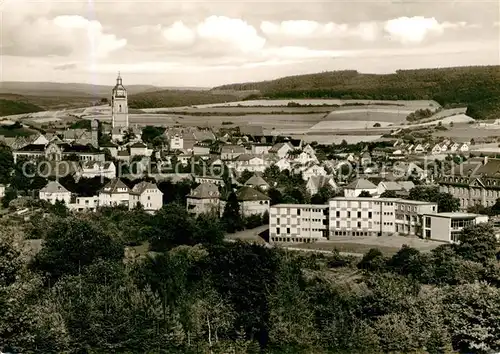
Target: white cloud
413	29
64	35
179	33
100	44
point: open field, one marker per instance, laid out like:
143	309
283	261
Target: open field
310	102
243	110
386	244
464	132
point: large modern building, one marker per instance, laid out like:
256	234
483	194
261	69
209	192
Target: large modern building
447	226
376	216
298	223
347	216
474	182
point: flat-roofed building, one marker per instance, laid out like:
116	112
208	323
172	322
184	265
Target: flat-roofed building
298	223
446	227
376	216
361	216
409	215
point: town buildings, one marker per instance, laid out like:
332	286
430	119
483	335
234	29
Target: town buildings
54	192
474	182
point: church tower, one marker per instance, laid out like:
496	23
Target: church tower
119	106
95	133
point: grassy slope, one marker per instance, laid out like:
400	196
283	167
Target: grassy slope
476	87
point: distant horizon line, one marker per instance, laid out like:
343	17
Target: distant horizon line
248	82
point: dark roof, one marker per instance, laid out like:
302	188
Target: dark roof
246	194
138	145
79	149
114	185
205	191
33	148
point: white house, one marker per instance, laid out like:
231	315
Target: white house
91	169
116	193
139	149
204	199
258	149
419	149
53	192
314	170
437	149
454	147
283	164
150	196
355	188
250	163
304	158
251	201
309	150
176	142
315	183
281	149
398	187
464	147
85	203
230	152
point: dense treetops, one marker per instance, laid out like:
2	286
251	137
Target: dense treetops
9	107
475	87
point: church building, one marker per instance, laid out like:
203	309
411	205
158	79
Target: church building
119	109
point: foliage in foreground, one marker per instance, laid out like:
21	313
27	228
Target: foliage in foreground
80	294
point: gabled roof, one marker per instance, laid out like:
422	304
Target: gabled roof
138	145
278	146
114	185
32	148
392	186
205	191
319	181
256	181
142	186
229	149
54	187
361	183
247	194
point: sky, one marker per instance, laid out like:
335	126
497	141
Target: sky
208	43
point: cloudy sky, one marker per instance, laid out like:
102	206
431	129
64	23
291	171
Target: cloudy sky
207	43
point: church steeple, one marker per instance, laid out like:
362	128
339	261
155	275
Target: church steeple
119	79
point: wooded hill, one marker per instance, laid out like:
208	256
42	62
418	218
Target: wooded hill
477	87
10	107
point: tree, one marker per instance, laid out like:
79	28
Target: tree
170	227
231	216
373	261
445	201
74	243
275	195
365	194
324	194
472	313
150	133
478	243
389	194
209	230
59	208
245	176
128	136
6	164
10	194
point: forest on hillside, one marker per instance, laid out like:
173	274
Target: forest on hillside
475	87
177	98
10	107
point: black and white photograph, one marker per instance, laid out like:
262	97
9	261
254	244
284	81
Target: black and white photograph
243	177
